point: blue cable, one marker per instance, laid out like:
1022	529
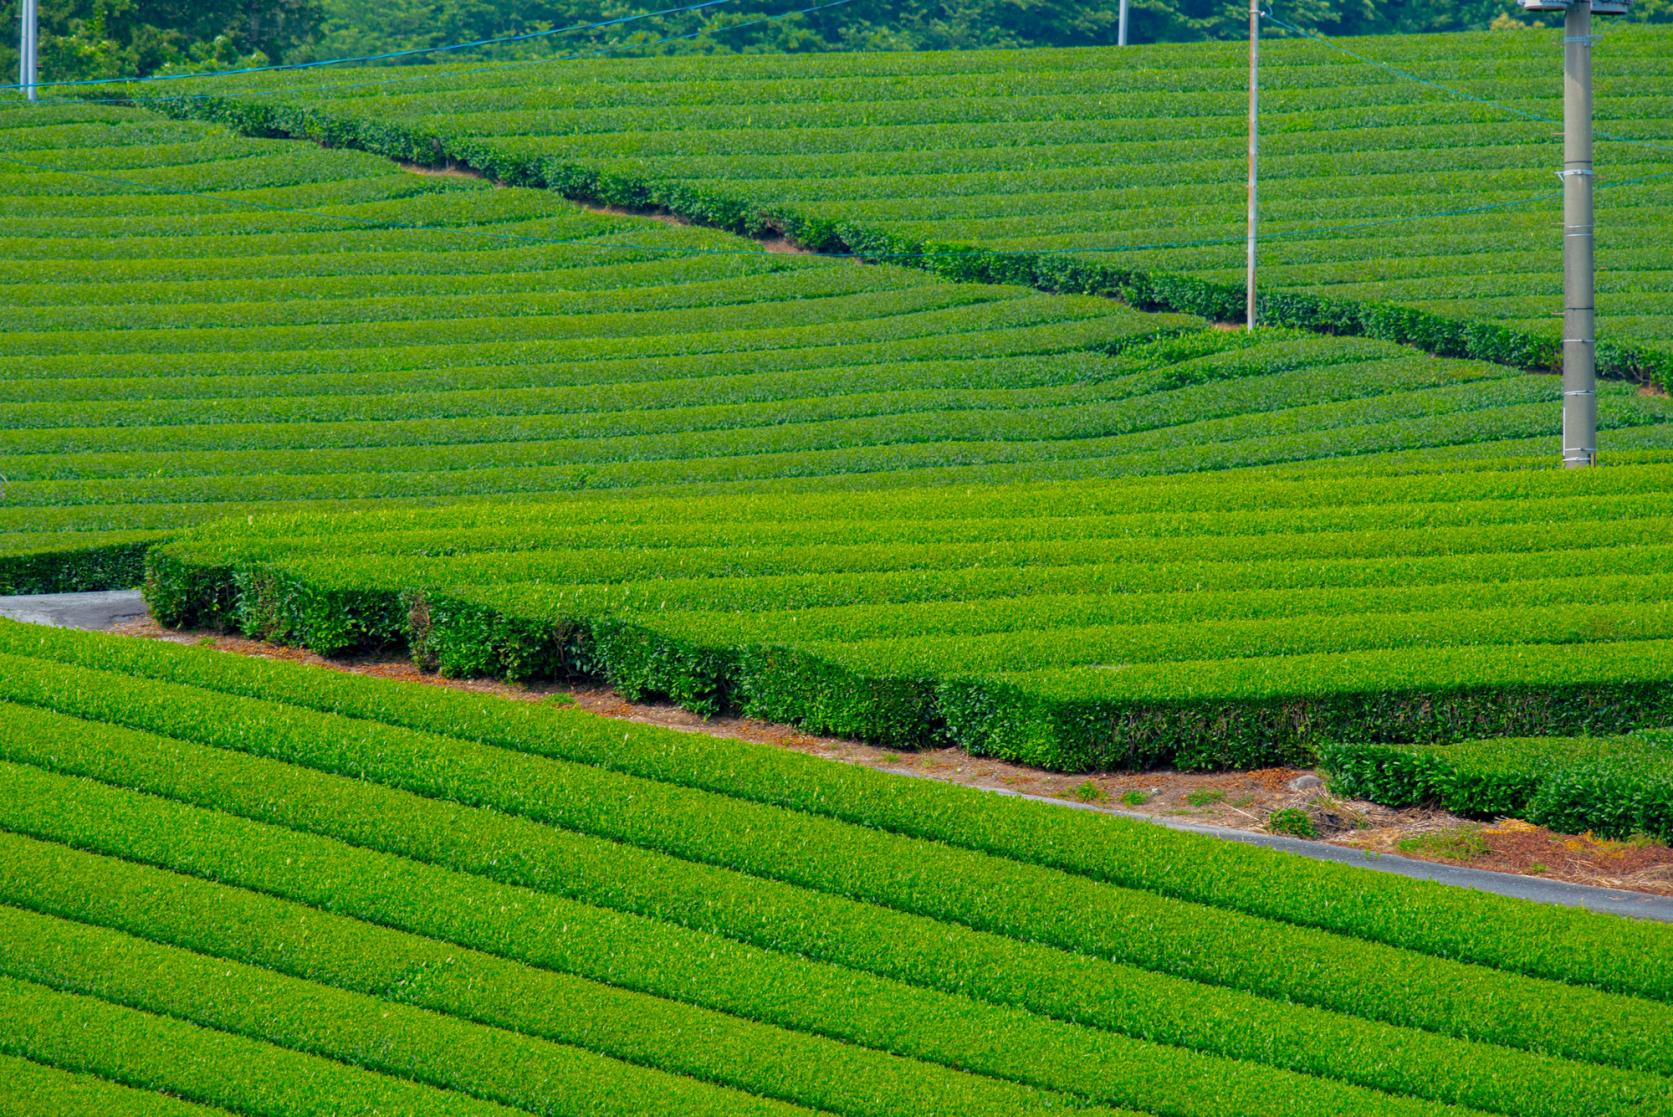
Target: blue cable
385	56
420	73
1447	89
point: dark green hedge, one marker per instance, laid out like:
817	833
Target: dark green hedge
984	716
1434	333
1615	787
112	566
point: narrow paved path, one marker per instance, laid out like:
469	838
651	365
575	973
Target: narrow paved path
76	610
99	611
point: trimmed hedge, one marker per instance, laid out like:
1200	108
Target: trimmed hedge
1615	787
411	339
1314	629
1553	943
915	159
617	840
432	907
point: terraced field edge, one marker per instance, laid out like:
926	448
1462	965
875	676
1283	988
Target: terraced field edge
1072	642
1143	289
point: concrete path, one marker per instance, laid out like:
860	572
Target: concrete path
1616	901
106	610
76	610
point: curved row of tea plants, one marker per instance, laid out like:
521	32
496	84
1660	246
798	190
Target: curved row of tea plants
1204	621
1613	786
258	886
1104	169
196	325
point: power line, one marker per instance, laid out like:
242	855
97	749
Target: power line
1450	91
421	73
382	57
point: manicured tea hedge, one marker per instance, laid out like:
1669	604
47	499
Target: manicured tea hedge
1204	622
337	332
1105	170
1613	786
261	904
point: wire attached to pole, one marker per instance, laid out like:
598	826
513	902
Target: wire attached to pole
385	56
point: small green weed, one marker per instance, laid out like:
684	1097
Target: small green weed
1205	796
1089	792
1292	821
1461	843
1135	797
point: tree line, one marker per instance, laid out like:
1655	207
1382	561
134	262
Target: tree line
107	38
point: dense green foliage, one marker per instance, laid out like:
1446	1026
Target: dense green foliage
174	358
102	38
1100	170
85	39
1615	786
258	886
1203	621
355	27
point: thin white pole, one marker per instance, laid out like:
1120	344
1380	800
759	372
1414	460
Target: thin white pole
1579	305
1254	147
1121	29
26	48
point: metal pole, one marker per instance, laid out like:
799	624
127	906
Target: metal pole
1121	28
26	48
1254	146
1579	311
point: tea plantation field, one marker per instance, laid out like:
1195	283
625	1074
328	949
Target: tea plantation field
320	397
195	325
231	885
1205	622
1101	169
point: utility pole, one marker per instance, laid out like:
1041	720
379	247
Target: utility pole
1579	267
1579	277
1254	150
1121	27
26	48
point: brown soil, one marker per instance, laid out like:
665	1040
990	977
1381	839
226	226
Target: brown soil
449	170
772	243
1239	800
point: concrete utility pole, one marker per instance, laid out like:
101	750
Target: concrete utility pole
26	47
1579	269
1121	27
1254	149
1579	277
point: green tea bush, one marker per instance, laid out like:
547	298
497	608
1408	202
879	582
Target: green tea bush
1393	210
1613	786
259	881
1204	622
336	331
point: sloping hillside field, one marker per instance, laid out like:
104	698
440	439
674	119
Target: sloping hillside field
195	325
1209	621
1390	207
931	487
263	888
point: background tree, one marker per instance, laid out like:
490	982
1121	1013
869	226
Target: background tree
108	38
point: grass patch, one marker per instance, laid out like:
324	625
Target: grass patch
1458	843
